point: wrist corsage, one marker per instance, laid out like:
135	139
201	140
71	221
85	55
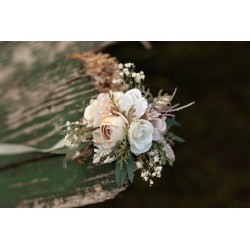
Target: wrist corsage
126	125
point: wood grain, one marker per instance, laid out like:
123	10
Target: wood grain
40	89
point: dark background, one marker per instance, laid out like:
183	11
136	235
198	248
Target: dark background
212	168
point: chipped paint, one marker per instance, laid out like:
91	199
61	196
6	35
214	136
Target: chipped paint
78	200
32	182
46	92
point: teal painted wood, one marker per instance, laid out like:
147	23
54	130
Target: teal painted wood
40	89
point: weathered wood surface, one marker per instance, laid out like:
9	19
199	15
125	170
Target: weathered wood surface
39	91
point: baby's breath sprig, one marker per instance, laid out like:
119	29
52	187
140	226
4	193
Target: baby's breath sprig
150	164
128	77
77	133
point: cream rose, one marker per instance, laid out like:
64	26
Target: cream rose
97	110
133	98
160	127
111	130
140	135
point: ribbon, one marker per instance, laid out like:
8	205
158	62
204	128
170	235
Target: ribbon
13	149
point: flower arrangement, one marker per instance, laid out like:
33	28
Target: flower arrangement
127	125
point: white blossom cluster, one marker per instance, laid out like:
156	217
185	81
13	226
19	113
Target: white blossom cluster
127	75
74	135
150	166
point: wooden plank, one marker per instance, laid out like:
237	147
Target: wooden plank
40	89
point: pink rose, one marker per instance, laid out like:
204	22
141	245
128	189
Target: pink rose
97	110
112	129
100	108
160	127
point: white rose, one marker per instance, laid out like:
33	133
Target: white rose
140	135
160	127
97	110
134	98
111	130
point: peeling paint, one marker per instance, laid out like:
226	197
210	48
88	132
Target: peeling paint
32	182
45	93
78	200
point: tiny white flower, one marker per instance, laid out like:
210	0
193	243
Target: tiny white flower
121	74
77	122
120	66
77	153
156	158
133	74
151	182
142	77
159	168
137	79
68	128
76	129
72	146
67	143
125	87
139	164
114	81
141	72
127	65
151	153
68	123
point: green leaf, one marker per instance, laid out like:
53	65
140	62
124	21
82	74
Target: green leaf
120	174
172	122
130	168
124	175
177	138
